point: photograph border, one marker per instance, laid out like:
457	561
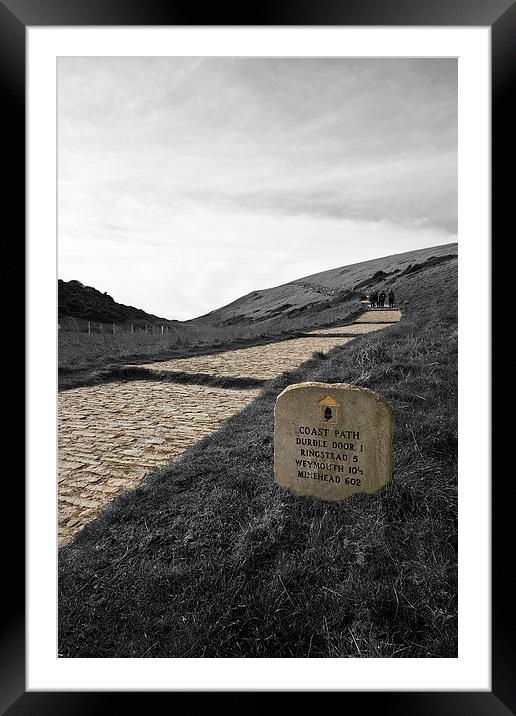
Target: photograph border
15	17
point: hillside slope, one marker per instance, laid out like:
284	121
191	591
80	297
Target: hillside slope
328	287
210	558
76	301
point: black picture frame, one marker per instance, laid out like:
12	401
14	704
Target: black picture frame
500	16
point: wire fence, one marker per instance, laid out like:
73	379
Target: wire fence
79	325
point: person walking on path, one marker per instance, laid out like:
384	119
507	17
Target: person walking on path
391	298
373	298
382	299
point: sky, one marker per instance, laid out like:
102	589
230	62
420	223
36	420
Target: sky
185	183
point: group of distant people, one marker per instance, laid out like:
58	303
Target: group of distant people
377	300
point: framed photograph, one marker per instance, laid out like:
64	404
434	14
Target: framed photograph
256	460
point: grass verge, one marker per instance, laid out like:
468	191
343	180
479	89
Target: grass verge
132	373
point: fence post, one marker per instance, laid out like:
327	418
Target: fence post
162	329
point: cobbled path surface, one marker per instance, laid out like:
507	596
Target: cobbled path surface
356	329
111	435
263	362
380	315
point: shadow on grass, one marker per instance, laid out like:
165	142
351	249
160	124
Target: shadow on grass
131	373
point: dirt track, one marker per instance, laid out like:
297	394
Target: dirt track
111	435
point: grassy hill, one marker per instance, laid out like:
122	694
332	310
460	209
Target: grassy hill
76	301
328	288
210	558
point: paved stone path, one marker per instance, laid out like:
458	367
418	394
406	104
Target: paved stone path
111	435
272	359
263	362
380	315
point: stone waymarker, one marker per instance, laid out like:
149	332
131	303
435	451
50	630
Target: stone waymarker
332	440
